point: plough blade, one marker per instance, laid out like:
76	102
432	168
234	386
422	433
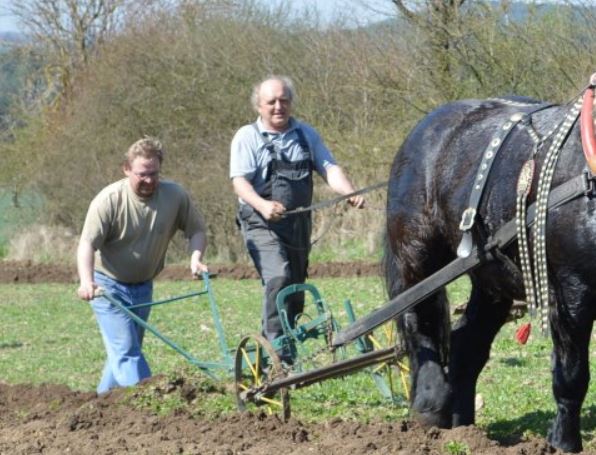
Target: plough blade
408	298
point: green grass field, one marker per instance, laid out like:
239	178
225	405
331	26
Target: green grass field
48	335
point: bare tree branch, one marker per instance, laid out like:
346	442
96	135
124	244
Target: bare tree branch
70	31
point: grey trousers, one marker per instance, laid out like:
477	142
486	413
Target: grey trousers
280	254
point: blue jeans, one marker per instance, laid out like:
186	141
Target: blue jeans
122	337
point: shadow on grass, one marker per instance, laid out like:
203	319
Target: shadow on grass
514	362
510	432
11	345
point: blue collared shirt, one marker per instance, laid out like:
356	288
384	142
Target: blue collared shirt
249	157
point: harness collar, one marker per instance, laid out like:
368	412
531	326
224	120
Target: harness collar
587	125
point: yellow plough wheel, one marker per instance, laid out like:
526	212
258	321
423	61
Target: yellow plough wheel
395	374
257	365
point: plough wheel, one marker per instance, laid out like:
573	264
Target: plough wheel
256	366
391	377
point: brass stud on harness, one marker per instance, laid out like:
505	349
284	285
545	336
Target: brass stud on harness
547	171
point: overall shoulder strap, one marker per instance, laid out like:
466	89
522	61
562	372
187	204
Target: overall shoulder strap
303	142
269	145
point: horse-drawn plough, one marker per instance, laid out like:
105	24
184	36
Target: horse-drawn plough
470	192
263	379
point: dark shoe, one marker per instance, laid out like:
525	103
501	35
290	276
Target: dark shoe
287	355
287	360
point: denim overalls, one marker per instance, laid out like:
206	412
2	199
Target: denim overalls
280	249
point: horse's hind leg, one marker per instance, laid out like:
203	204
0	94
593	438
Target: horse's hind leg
471	339
571	332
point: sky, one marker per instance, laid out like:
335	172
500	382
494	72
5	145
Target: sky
352	10
7	22
355	11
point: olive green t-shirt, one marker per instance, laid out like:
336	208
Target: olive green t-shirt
131	234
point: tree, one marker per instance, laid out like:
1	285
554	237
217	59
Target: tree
436	20
69	30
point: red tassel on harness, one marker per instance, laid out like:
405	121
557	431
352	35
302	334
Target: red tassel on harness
523	333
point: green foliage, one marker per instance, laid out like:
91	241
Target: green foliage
20	87
9	82
185	75
345	251
456	448
16	212
182	389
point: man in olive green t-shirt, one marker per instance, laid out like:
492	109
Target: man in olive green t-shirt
122	248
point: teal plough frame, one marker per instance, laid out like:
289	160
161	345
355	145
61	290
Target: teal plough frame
226	362
294	334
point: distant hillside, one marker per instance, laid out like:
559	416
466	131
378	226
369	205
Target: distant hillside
16	66
517	11
11	37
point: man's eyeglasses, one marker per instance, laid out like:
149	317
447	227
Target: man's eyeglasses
147	175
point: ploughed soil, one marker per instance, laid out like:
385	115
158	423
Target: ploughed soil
52	419
29	272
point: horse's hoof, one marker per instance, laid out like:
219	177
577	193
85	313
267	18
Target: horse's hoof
431	419
555	440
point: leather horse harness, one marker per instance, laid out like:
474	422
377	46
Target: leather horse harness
471	255
534	266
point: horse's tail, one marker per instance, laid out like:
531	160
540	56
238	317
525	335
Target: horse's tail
390	270
393	284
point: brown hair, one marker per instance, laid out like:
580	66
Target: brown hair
148	147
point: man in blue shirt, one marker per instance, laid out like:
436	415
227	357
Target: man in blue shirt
271	166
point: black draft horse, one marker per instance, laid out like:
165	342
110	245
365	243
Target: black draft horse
430	183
